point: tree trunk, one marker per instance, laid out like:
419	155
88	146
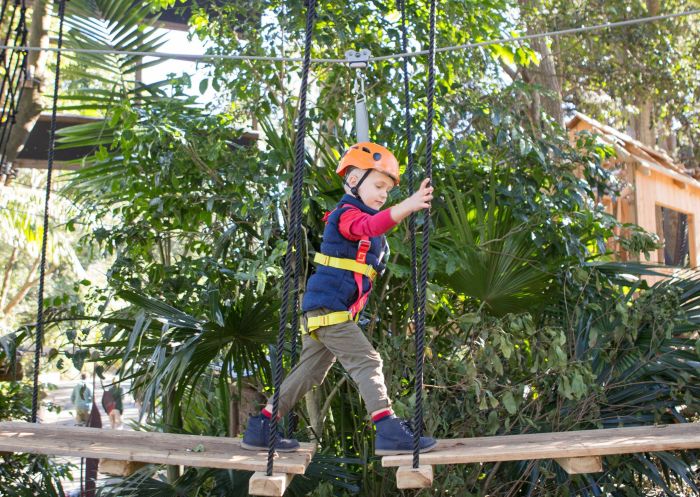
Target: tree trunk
642	122
30	106
6	277
545	75
172	415
28	284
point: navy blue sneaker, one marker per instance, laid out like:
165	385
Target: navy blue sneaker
257	436
395	436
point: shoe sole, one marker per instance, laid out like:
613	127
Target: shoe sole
258	449
402	452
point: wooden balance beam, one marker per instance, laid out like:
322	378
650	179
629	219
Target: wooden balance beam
575	451
158	448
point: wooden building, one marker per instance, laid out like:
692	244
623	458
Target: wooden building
659	195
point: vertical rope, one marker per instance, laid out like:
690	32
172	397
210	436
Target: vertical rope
295	229
410	168
44	241
294	338
420	328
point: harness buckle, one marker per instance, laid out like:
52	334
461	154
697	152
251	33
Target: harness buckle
363	247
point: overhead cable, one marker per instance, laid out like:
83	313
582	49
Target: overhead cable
266	58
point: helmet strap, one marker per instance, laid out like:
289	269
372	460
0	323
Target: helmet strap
355	189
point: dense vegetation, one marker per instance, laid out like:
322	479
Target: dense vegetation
533	326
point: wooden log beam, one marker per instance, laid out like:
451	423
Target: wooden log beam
410	477
272	486
581	465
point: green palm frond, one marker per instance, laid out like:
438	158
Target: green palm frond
487	254
180	350
113	25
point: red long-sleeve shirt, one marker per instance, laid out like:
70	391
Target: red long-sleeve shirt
355	224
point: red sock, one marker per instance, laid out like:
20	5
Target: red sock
381	415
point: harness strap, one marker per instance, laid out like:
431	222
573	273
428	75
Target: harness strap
315	322
363	247
359	268
346	264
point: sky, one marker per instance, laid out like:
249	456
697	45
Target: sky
177	42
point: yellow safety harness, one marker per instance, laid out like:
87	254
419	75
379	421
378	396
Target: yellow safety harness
360	268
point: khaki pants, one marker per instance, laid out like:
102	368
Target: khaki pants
348	344
82	416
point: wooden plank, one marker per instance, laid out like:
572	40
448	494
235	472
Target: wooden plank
557	445
273	486
410	477
581	465
151	447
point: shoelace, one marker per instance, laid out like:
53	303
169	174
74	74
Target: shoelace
406	427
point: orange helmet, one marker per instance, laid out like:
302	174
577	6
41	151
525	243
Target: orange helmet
367	155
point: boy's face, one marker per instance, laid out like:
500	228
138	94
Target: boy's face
374	190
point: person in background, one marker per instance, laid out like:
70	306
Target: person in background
82	400
113	405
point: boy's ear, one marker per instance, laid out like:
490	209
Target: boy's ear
352	180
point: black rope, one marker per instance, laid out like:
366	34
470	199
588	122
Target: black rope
5	3
13	80
410	168
295	233
420	327
294	338
15	58
5	60
42	270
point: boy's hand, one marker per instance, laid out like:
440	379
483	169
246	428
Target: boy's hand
418	201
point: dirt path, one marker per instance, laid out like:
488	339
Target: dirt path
60	397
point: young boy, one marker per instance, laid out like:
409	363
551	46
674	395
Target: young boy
350	257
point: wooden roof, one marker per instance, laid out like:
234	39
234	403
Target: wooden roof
35	151
626	146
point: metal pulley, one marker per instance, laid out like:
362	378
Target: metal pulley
359	60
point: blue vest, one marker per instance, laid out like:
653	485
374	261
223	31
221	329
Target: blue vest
332	288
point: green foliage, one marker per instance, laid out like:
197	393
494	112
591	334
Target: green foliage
530	329
29	475
517	375
24	475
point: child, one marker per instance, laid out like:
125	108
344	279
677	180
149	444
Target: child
350	257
